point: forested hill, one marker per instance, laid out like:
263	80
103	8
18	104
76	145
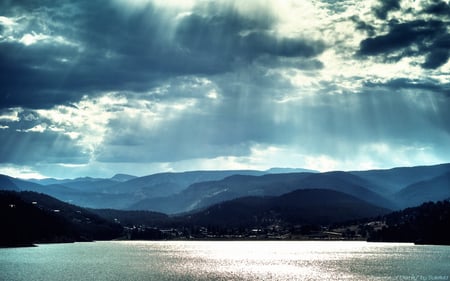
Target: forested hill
29	217
426	224
308	206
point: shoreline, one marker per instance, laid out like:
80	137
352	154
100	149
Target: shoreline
36	244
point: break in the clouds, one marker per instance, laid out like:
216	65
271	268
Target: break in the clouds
99	87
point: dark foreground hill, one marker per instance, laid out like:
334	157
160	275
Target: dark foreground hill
310	206
28	217
133	218
426	224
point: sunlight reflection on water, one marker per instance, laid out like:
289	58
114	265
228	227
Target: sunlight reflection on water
213	260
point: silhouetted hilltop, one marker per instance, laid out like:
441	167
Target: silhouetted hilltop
427	224
132	218
279	170
6	183
122	177
29	217
309	206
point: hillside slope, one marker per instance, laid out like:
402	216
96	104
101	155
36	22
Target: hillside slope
29	217
426	224
309	206
204	194
393	180
166	184
435	189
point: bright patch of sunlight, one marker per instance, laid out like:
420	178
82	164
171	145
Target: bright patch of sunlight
40	128
11	115
85	121
22	172
32	38
139	4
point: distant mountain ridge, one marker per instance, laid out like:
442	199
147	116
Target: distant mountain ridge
116	178
165	184
435	189
278	170
186	191
395	179
123	177
204	194
116	193
6	183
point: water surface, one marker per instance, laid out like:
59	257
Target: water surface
226	260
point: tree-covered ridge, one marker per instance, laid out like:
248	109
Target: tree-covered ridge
427	224
30	217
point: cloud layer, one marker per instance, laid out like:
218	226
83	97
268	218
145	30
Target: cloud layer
89	87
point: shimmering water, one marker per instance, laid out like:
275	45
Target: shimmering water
246	260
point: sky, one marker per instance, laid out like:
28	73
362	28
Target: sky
94	88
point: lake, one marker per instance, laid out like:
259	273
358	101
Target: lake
226	260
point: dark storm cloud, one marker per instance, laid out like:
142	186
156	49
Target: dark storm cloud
98	58
418	37
407	83
427	35
31	76
361	25
385	7
402	36
111	49
440	52
439	8
137	82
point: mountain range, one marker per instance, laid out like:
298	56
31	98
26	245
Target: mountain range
224	202
174	193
